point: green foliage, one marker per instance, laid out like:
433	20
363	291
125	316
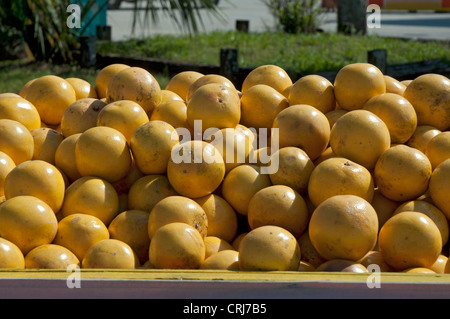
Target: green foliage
295	16
301	53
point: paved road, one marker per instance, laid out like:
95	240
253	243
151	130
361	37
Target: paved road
423	24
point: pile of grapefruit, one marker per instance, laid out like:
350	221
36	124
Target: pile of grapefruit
275	175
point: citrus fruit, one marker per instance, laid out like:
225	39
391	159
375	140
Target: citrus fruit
135	84
104	76
6	166
19	109
78	232
421	136
269	248
131	227
438	148
214	244
195	168
167	95
309	253
356	83
11	257
361	137
237	240
80	116
294	169
429	209
269	74
241	183
384	206
410	239
439	187
91	195
27	222
334	115
305	127
83	89
233	144
439	265
430	96
181	82
46	142
397	113
103	152
50	256
177	246
109	254
207	79
148	190
65	157
314	90
342	265
125	116
16	141
215	105
23	90
39	179
339	176
419	270
173	112
343	227
281	206
222	260
222	219
151	145
51	95
375	257
260	104
393	85
402	173
177	209
124	185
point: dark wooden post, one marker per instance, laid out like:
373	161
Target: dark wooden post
104	32
352	16
88	51
229	65
242	25
378	57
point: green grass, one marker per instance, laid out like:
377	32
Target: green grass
303	53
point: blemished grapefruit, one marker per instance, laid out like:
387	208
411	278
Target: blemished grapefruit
181	82
104	76
314	90
27	222
339	176
135	84
269	74
177	246
344	227
402	173
281	206
397	113
260	104
51	95
360	136
305	127
195	168
269	248
215	105
356	83
410	239
430	96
